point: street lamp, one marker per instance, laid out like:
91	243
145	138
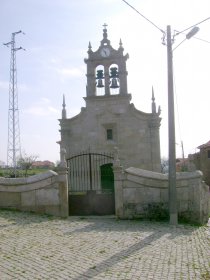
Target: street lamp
171	128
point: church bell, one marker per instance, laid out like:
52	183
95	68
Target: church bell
99	77
114	78
114	83
100	83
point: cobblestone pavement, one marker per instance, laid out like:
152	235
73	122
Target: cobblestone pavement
42	247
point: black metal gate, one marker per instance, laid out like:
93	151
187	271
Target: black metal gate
91	184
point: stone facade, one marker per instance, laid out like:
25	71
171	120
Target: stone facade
110	119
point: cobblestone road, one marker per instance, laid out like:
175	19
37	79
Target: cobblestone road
41	247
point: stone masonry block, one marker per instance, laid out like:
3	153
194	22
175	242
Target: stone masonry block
47	197
182	205
182	194
8	199
28	199
164	195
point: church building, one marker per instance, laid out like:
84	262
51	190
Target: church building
109	119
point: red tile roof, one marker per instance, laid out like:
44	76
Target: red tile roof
43	163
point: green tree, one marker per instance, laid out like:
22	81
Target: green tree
25	162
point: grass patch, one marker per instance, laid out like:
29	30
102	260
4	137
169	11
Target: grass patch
5	172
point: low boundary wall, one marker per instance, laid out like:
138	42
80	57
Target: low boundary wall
138	193
45	193
144	194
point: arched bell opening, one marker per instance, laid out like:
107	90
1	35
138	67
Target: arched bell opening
100	80
114	81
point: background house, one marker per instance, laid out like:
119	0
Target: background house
202	161
46	164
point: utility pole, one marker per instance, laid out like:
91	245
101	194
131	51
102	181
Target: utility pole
171	120
13	146
171	126
171	134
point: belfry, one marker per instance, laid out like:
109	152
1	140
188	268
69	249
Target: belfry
109	119
106	69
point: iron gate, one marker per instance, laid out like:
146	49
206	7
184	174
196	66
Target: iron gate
91	184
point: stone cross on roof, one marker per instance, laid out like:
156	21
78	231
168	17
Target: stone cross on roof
105	25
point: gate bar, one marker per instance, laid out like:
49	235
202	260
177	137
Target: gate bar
91	187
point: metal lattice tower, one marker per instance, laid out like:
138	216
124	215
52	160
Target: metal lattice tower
13	146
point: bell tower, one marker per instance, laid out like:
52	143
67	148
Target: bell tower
109	119
106	69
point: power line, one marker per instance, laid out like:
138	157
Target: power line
203	40
178	32
144	16
193	26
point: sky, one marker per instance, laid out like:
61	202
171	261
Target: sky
57	33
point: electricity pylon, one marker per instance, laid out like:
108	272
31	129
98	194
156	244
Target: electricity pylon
13	146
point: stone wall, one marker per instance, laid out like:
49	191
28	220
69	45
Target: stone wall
144	194
45	193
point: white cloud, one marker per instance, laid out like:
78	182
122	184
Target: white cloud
70	72
53	110
25	136
45	100
23	88
37	49
43	109
55	60
4	85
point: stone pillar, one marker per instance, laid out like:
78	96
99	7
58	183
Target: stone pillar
119	177
123	73
62	171
106	78
154	126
